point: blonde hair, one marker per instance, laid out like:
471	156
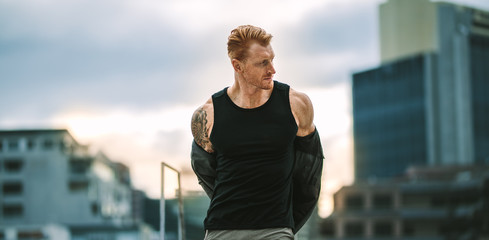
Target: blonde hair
241	38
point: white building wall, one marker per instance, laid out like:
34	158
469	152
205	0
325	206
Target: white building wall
46	175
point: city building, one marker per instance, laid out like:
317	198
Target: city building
47	178
426	203
428	103
420	128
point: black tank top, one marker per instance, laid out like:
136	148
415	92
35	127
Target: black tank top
255	158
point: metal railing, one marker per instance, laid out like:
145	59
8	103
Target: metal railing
181	226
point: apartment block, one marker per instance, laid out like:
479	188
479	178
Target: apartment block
47	177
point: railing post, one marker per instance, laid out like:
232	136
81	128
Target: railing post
162	203
181	226
181	229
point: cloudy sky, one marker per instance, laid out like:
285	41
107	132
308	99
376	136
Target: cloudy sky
124	76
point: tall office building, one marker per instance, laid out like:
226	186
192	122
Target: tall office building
428	103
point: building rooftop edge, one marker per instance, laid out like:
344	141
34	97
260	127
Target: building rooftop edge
33	131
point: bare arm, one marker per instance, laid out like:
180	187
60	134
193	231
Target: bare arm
303	112
202	121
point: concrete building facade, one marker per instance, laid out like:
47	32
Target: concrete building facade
427	203
47	177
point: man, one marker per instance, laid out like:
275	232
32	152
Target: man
256	151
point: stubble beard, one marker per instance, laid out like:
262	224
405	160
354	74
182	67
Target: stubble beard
261	83
267	85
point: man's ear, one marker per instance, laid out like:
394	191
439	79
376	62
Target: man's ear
236	65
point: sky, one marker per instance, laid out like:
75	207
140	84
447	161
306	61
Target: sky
125	76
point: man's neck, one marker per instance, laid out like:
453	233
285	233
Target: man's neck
248	96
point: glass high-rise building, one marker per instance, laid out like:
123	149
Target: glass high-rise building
428	103
389	114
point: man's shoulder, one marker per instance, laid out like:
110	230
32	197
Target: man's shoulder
207	106
303	111
300	98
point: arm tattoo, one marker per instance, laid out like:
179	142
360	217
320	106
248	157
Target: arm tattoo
199	128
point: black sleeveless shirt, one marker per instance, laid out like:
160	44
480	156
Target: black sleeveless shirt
255	158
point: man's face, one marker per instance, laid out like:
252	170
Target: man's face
258	67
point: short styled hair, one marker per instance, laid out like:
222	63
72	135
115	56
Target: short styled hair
241	38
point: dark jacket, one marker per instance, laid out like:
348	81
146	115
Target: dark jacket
308	165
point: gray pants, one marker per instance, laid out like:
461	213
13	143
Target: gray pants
255	234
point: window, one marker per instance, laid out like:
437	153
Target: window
439	202
13	145
382	201
48	144
327	228
354	202
62	145
30	144
12	188
408	230
13	165
354	229
94	208
79	166
31	235
13	210
383	229
76	186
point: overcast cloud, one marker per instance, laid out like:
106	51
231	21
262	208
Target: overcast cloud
143	54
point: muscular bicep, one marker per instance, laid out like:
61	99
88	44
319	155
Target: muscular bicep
303	112
201	127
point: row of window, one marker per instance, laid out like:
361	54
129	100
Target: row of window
380	229
379	201
36	234
16	210
385	201
17	188
358	229
15	165
385	229
79	166
22	144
